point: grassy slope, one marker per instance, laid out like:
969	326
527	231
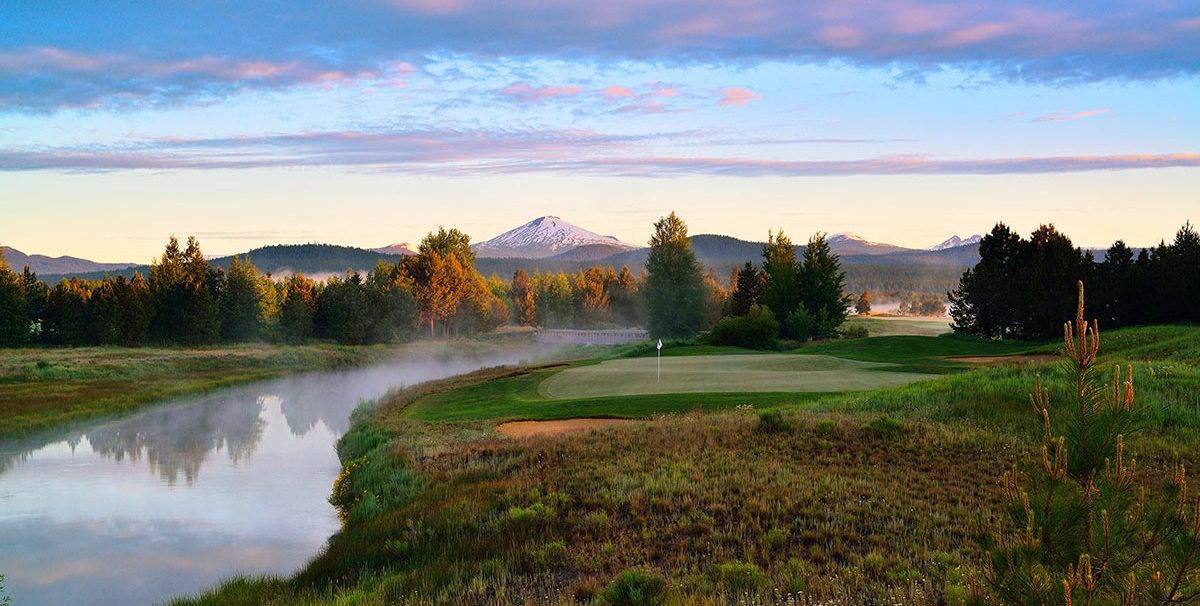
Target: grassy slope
863	498
40	388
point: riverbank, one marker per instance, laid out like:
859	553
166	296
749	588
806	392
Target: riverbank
41	388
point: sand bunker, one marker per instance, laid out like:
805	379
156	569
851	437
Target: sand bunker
1019	359
527	429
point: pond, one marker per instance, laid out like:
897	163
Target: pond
178	496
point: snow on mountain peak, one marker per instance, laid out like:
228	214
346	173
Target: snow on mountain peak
955	241
543	237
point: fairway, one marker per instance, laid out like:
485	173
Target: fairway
723	373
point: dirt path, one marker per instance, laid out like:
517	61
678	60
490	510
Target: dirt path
527	429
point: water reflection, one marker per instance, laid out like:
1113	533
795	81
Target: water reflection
174	498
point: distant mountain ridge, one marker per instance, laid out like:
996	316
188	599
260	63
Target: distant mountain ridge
541	238
955	241
403	248
42	264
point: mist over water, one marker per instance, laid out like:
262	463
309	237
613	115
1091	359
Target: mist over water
177	497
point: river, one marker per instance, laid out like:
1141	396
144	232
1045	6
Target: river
178	496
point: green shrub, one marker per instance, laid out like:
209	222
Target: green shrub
758	329
772	422
887	428
741	577
856	332
635	588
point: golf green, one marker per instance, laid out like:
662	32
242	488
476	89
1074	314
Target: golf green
723	373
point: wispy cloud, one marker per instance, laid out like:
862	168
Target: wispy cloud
1066	115
483	152
524	92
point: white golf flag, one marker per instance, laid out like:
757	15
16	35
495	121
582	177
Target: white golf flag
660	343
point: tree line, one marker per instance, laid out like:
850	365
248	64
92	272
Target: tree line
184	300
1155	285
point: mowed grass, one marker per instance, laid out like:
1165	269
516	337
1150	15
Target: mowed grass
891	326
44	387
720	374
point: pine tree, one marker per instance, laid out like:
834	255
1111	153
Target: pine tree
674	288
823	288
14	308
1085	527
241	303
296	313
747	290
781	292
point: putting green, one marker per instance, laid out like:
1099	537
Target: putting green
723	373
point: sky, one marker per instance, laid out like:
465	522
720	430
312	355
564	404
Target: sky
370	122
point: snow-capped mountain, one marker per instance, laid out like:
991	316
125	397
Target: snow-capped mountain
403	248
955	242
847	243
543	237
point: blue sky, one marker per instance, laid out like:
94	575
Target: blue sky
371	122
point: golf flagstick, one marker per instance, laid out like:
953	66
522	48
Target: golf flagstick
660	360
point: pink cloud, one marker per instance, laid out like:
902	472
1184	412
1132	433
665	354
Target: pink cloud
524	92
975	34
733	95
616	91
841	36
1062	115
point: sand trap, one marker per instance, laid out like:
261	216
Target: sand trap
1018	359
527	429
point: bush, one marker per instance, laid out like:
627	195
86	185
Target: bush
758	329
772	422
887	428
799	324
635	588
741	577
856	332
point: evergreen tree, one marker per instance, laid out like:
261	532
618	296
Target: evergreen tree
627	305
35	302
104	310
14	308
823	286
674	288
342	310
241	303
393	307
747	292
781	292
986	301
1115	282
137	310
67	314
296	313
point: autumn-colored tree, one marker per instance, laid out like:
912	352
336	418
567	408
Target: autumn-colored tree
523	299
862	305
